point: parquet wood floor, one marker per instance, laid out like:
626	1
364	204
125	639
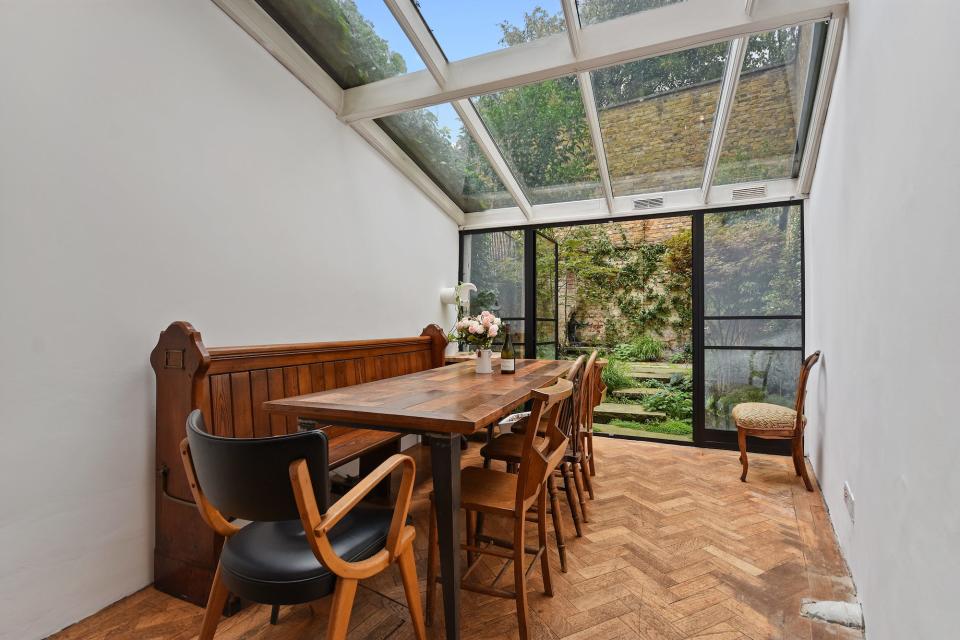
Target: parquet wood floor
676	547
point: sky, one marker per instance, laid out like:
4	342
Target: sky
463	28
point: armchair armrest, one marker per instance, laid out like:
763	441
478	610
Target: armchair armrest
399	537
210	514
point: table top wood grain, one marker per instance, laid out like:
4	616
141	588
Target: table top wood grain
451	399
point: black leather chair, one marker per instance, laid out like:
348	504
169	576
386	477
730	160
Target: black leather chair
298	546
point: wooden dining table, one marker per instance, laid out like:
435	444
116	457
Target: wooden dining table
440	404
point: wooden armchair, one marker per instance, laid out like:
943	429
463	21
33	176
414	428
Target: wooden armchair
298	547
772	421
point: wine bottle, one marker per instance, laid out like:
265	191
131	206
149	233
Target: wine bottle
508	359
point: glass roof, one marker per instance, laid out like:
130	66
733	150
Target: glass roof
761	138
355	41
465	29
542	131
437	141
594	11
656	116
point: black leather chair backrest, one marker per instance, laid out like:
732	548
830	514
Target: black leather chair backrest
249	478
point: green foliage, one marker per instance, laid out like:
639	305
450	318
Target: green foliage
616	375
677	404
684	356
642	349
672	427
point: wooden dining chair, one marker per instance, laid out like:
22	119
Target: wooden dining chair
298	547
508	448
509	495
772	421
596	393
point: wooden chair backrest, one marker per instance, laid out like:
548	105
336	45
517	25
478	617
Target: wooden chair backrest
587	391
540	458
569	422
808	364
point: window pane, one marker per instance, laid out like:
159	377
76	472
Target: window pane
437	141
752	262
594	11
656	116
733	377
753	333
547	351
465	29
355	41
546	276
494	262
761	136
546	331
542	131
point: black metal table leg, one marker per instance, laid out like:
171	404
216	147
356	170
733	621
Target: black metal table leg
445	465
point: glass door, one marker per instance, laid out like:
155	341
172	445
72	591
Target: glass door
494	262
544	334
751	307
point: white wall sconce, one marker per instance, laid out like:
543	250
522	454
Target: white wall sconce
458	295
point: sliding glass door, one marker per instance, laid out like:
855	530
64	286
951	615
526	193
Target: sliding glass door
751	300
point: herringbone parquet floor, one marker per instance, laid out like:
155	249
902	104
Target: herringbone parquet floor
676	547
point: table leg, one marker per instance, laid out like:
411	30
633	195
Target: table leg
445	465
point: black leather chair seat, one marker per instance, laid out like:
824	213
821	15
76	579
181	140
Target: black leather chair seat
272	562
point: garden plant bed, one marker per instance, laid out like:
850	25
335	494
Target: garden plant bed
607	411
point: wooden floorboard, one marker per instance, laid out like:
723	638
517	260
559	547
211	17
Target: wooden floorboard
676	548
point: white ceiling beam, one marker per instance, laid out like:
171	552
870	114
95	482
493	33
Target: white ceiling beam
596	136
748	9
471	120
383	143
419	35
262	28
672	28
818	116
572	18
728	92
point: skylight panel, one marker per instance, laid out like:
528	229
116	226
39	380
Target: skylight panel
437	141
656	116
355	41
466	29
542	131
777	84
594	11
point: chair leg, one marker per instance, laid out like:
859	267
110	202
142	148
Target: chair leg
471	522
408	574
571	499
587	482
575	470
557	522
215	603
742	441
274	614
542	542
803	465
432	562
520	576
593	466
343	596
797	457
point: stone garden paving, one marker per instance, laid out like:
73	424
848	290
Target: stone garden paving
612	407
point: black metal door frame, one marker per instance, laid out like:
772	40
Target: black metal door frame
702	437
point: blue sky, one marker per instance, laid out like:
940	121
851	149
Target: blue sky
463	28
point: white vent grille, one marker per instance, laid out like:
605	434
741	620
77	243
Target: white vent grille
748	193
648	203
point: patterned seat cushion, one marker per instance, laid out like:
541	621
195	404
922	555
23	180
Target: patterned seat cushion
760	415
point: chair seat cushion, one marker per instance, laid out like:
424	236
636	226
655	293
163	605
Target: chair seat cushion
272	562
516	421
763	416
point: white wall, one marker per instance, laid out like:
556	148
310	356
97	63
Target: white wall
156	164
883	240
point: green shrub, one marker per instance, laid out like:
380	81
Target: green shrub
684	356
674	427
616	375
642	349
678	405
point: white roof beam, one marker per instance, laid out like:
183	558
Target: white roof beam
572	18
664	30
728	92
262	28
596	136
383	143
471	120
419	35
828	70
748	9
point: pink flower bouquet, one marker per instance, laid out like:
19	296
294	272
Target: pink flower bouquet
478	331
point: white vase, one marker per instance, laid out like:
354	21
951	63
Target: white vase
483	361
